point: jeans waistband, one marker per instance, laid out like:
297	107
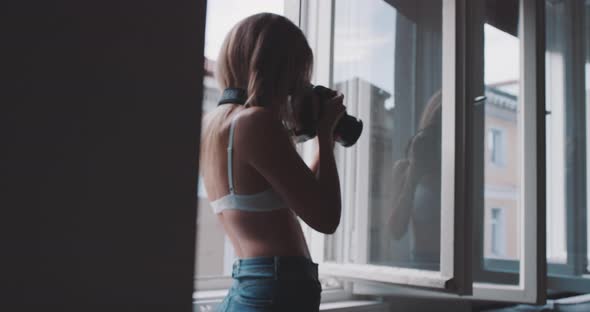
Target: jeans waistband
276	267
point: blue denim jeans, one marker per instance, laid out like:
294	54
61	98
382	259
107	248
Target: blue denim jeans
268	284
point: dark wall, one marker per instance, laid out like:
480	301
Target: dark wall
99	126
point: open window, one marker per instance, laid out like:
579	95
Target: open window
396	63
513	84
478	174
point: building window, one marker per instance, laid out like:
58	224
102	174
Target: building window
497	243
496	146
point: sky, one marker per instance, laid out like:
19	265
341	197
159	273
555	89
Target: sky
222	15
364	44
501	55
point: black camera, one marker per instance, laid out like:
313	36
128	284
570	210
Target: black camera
307	115
347	130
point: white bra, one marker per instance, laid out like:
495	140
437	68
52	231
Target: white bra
266	200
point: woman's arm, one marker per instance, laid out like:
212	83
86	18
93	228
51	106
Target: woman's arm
328	177
266	146
315	163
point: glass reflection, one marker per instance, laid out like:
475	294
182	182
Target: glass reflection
416	189
388	59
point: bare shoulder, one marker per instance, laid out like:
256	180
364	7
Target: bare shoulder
257	117
261	139
257	123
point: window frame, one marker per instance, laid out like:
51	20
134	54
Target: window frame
315	19
571	276
455	274
533	266
532	277
535	273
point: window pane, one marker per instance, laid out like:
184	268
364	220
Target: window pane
498	121
214	252
565	132
387	60
502	182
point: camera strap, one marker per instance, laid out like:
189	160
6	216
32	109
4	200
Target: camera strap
233	96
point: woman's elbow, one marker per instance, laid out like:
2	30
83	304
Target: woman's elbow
330	225
330	229
326	217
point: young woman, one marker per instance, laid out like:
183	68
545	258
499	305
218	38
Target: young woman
256	182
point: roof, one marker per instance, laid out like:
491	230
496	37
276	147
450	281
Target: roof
501	99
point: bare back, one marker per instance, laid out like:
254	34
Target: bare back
253	234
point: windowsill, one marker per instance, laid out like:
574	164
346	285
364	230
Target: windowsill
328	295
354	305
209	295
211	298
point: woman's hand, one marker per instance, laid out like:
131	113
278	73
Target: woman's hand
333	110
315	163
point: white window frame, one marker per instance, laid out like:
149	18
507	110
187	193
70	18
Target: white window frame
536	291
533	263
571	276
462	57
455	272
315	18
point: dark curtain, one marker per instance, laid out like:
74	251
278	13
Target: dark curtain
100	119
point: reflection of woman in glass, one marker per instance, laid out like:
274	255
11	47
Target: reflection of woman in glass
257	183
416	189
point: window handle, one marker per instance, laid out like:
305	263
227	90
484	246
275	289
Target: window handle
479	100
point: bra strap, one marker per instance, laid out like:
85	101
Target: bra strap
230	146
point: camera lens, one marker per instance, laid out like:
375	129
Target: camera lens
348	130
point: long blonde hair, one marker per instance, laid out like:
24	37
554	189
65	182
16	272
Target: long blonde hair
269	57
